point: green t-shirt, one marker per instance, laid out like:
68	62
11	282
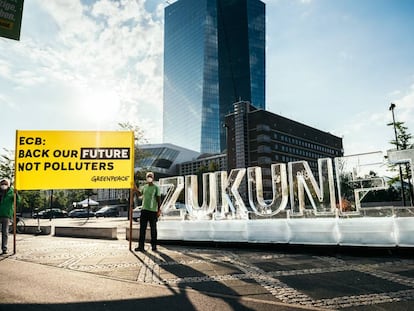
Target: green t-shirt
149	197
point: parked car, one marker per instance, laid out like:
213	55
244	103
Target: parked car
107	211
136	213
51	213
81	213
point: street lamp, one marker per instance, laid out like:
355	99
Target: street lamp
392	107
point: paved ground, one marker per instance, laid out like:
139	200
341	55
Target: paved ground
119	222
51	273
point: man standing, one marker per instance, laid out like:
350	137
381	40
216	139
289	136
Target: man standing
151	203
6	211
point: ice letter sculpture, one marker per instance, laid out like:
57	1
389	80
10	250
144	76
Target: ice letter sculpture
356	176
279	186
321	198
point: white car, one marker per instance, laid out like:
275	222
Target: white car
136	213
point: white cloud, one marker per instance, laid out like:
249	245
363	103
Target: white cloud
394	93
72	23
29	78
4	69
405	109
8	102
368	131
108	52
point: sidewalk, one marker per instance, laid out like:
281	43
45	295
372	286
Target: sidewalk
51	273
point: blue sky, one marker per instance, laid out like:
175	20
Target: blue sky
332	64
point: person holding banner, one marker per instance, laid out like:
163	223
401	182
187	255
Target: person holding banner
151	204
6	211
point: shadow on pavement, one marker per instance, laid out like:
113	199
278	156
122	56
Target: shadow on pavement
209	288
175	302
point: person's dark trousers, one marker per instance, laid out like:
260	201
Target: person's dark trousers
4	222
151	217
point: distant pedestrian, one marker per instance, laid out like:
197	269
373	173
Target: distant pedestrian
6	211
151	204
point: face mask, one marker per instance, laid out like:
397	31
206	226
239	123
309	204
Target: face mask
4	187
149	179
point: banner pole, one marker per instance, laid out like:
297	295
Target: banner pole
131	207
131	190
15	195
14	220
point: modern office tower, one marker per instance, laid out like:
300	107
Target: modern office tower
214	56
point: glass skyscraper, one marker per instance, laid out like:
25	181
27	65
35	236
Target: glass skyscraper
214	56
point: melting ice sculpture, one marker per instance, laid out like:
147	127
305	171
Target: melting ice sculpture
356	176
321	198
279	190
297	191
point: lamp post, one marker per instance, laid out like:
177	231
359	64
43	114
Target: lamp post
392	107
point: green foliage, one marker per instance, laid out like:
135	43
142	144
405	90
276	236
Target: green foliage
7	164
138	139
138	152
213	167
41	199
202	169
31	200
403	137
75	196
402	142
60	199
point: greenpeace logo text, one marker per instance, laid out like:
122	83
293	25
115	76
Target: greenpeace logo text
109	178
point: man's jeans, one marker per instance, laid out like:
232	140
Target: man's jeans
4	222
145	218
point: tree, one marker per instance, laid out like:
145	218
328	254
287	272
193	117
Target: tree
31	200
7	164
138	139
139	154
402	142
213	167
75	196
403	137
60	199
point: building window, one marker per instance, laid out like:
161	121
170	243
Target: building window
264	149
263	138
264	160
263	127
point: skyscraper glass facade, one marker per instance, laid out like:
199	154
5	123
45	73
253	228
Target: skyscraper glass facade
214	55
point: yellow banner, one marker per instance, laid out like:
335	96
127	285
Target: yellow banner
74	160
